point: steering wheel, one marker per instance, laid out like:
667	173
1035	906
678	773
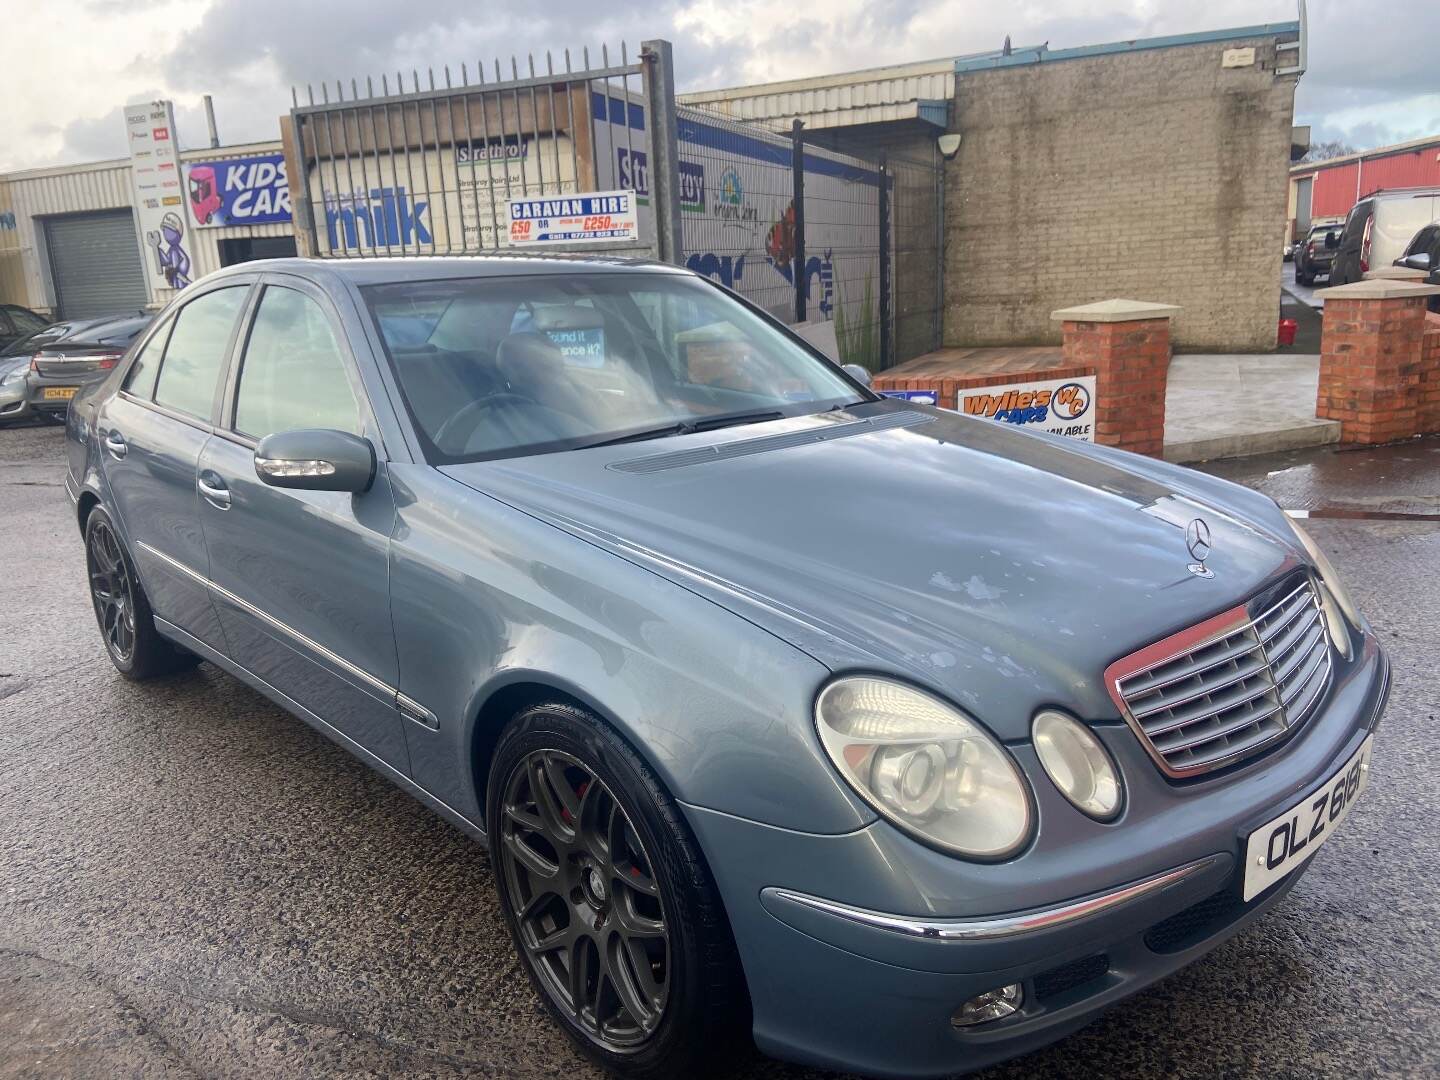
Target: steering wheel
470	416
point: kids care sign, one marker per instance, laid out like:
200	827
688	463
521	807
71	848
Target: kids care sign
596	217
238	191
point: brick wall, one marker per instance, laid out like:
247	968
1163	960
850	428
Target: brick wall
1153	174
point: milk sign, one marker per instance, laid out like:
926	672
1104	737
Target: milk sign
590	218
239	191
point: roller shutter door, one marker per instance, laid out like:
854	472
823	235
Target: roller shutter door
95	264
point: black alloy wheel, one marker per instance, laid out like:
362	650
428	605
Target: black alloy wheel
586	899
112	590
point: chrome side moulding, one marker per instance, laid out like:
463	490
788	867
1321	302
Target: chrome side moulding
385	689
1000	926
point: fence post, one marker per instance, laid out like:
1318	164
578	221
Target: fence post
887	358
797	176
297	172
664	135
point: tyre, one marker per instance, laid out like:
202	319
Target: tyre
122	610
1304	279
610	904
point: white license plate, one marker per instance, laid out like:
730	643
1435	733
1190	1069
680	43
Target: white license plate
1279	846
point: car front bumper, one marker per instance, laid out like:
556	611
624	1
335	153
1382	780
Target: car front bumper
855	994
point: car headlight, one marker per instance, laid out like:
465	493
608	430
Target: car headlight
1077	764
16	376
925	766
1333	594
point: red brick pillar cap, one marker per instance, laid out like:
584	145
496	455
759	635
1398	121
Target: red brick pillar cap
1377	289
1110	311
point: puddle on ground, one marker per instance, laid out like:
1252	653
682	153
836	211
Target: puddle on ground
1344	514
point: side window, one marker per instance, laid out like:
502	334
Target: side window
293	374
196	351
140	379
26	322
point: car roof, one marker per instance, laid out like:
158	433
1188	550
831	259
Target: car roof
390	269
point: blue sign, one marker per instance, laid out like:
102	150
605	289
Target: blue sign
920	397
240	191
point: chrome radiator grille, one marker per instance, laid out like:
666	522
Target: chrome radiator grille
1199	701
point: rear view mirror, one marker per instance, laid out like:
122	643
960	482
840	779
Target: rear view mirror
316	459
858	373
1419	261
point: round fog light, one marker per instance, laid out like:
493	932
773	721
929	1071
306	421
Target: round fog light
992	1005
1077	763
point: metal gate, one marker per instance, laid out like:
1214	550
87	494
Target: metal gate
428	170
95	264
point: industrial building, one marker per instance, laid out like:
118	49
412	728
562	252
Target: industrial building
1324	191
1153	169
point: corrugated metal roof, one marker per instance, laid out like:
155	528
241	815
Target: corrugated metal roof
861	97
1310	167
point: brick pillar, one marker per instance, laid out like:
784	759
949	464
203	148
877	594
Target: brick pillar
1127	342
1429	409
1373	360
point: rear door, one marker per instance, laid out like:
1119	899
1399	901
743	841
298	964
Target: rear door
151	435
301	577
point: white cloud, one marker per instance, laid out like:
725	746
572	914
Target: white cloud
1368	80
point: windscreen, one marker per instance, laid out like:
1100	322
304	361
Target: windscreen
499	367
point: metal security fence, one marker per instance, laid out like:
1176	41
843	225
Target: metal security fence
427	169
917	283
813	235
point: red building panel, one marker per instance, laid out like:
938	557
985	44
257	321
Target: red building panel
1338	186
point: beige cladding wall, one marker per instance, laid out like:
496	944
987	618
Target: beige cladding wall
1149	175
40	193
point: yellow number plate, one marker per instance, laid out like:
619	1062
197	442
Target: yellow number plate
59	393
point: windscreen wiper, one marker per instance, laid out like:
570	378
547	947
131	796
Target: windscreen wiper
708	423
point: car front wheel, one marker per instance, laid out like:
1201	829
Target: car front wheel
608	900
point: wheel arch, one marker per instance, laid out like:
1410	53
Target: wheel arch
87	502
520	690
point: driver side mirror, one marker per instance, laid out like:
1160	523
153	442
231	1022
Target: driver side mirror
1419	261
316	459
858	373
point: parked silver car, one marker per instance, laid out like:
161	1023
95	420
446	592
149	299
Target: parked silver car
900	740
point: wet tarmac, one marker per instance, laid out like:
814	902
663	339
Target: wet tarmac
195	884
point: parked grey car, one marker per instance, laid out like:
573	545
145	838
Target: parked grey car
74	354
902	740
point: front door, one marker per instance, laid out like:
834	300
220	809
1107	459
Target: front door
300	577
151	435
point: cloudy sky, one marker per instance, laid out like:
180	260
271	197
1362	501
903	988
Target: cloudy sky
72	64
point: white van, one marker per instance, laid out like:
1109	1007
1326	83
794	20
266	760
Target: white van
1379	227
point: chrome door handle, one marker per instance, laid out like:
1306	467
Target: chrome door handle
218	495
115	443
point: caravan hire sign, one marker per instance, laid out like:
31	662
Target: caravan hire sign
594	217
1059	406
239	191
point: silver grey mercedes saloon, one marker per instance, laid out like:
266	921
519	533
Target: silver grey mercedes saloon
893	740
